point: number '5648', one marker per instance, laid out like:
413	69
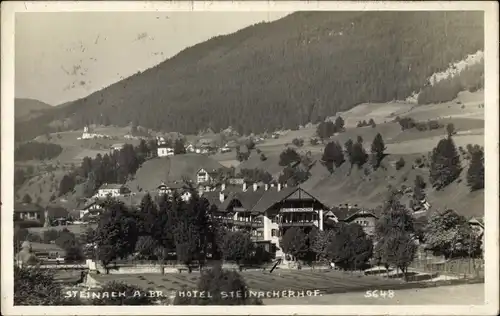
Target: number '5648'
379	293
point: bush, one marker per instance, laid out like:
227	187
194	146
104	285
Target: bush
299	142
263	157
220	283
400	163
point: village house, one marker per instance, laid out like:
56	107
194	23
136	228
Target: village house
174	187
111	190
117	147
28	212
91	210
353	214
87	134
165	151
205	177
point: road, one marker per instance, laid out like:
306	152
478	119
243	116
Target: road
468	294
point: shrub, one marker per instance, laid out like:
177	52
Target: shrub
400	163
219	283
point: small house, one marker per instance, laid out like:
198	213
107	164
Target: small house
165	151
28	212
117	147
111	190
204	176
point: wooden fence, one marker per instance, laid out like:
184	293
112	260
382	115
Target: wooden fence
462	268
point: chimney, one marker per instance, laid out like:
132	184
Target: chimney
221	197
266	186
223	187
255	186
244	186
279	187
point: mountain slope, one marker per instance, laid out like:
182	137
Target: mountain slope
299	69
28	107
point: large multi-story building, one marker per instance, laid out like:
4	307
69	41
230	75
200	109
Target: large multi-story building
268	211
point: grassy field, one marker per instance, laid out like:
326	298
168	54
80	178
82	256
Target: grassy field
279	280
467	294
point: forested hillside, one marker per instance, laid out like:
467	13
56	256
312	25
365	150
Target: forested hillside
296	70
25	107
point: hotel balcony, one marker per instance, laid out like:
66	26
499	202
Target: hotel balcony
239	222
298	224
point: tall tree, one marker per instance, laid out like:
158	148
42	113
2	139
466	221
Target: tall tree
445	164
449	234
350	247
179	147
294	242
339	124
377	150
288	156
450	129
237	246
475	173
116	233
396	235
333	156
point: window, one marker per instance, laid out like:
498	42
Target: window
274	233
274	219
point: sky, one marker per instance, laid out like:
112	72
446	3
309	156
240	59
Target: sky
64	56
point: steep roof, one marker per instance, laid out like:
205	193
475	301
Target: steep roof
260	200
110	186
27	207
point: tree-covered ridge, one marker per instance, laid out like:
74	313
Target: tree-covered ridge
36	151
301	68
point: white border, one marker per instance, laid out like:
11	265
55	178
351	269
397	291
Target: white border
491	155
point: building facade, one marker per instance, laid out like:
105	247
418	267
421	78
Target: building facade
165	151
266	212
111	190
28	212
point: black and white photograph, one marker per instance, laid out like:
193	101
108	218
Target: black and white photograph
258	157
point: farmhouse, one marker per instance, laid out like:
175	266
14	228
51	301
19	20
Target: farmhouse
365	218
28	212
48	252
91	210
165	151
117	147
87	134
205	177
111	190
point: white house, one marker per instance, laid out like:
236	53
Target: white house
116	147
87	134
165	151
204	176
111	190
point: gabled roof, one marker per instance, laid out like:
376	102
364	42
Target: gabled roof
361	213
261	200
27	207
109	186
477	220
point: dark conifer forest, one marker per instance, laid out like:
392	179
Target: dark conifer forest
282	74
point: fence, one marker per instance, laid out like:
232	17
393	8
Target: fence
461	268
